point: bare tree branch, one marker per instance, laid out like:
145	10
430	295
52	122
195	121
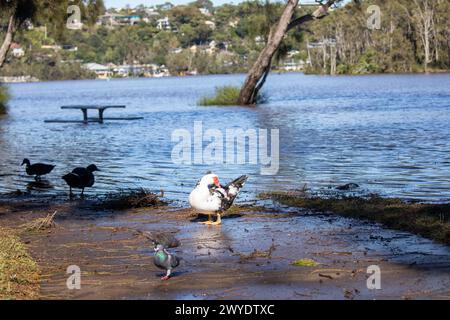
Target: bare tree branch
320	13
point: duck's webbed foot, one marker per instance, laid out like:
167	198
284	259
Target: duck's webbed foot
213	223
207	222
218	221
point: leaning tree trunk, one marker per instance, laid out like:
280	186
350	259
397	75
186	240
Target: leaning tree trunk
262	65
261	68
8	39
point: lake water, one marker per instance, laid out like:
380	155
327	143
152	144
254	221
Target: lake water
390	134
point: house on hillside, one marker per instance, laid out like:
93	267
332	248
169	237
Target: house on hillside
165	7
211	48
115	19
205	12
54	47
233	23
175	50
129	20
102	72
210	24
69	47
163	24
17	50
108	19
293	65
151	12
259	40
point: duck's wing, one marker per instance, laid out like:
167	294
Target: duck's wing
229	192
45	168
237	183
174	261
87	178
73	180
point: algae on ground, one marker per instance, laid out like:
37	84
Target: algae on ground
305	263
425	219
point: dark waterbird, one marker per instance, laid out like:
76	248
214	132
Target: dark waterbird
81	178
38	169
165	260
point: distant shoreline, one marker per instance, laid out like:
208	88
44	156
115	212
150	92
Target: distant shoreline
30	79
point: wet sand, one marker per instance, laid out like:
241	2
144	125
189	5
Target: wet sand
218	262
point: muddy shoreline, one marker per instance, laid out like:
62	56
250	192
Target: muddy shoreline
220	262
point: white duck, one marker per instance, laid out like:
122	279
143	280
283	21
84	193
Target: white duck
209	197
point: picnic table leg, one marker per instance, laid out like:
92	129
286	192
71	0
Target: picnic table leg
100	115
85	116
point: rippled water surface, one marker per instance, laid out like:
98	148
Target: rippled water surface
389	134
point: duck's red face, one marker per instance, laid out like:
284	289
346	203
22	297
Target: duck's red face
216	181
210	180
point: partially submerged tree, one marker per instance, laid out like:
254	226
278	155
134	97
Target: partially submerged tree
261	68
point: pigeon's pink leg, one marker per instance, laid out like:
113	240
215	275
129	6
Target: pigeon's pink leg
167	276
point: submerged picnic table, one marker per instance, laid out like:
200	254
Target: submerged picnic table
100	108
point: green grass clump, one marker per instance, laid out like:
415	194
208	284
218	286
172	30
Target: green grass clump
4	98
19	273
224	96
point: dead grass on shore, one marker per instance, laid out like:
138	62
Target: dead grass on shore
428	220
131	199
19	273
41	224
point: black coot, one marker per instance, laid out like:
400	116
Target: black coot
38	169
81	178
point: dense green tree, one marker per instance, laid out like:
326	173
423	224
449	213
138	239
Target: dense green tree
205	4
341	43
91	10
412	37
15	12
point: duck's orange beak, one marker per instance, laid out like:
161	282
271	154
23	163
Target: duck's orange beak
216	181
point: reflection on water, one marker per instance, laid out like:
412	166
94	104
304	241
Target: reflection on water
41	185
389	134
